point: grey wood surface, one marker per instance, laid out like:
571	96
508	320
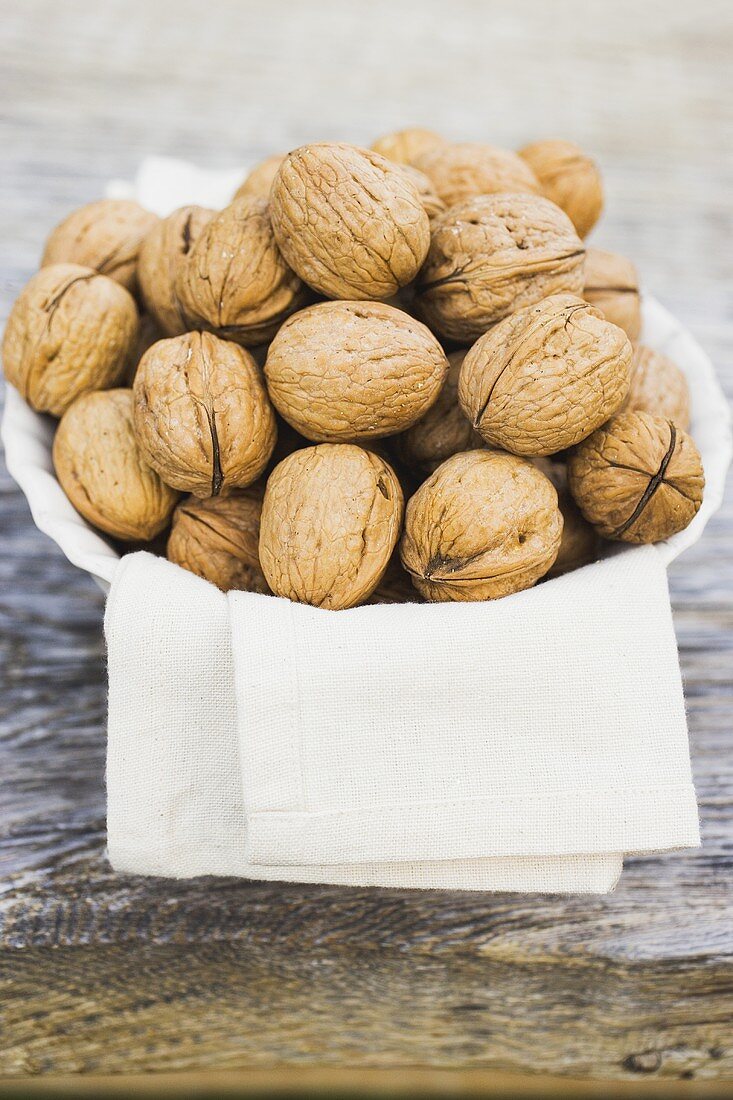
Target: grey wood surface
158	975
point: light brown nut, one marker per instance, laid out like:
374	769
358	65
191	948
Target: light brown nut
163	255
103	472
70	330
461	171
639	478
330	521
492	255
432	204
348	221
235	281
545	377
202	414
612	285
658	386
105	236
342	371
484	525
407	146
569	178
218	539
444	430
258	183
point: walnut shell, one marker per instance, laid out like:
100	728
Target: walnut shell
492	255
545	377
258	183
444	430
484	525
163	255
639	478
407	146
349	221
569	178
612	285
202	414
70	330
343	371
432	204
235	281
330	521
658	386
469	168
218	539
102	470
105	236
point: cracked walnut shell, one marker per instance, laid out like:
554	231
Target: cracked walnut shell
202	414
569	178
407	146
444	430
343	371
545	377
639	478
70	330
484	525
163	255
463	170
658	386
348	221
102	470
218	539
492	255
612	285
330	520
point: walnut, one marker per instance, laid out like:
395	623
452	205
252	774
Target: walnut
639	478
568	177
469	168
202	414
101	468
484	525
348	221
350	371
545	377
105	236
70	330
444	430
658	386
330	521
612	285
258	183
163	255
218	538
432	204
235	281
407	146
492	255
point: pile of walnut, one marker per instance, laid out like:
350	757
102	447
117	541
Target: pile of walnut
359	327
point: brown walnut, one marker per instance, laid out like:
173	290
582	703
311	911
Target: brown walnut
163	256
492	255
484	525
348	221
461	171
330	521
105	236
545	377
612	285
202	414
70	330
407	146
218	539
444	430
658	386
103	472
343	371
432	204
639	478
569	178
258	183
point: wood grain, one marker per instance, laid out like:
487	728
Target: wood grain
106	973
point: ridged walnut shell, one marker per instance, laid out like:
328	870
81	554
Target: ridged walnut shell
202	414
444	430
163	256
258	183
407	146
218	539
331	518
484	525
546	377
612	285
235	281
569	178
493	255
348	221
463	170
105	236
639	478
432	204
658	386
70	330
343	371
102	470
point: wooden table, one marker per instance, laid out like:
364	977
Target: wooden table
107	974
